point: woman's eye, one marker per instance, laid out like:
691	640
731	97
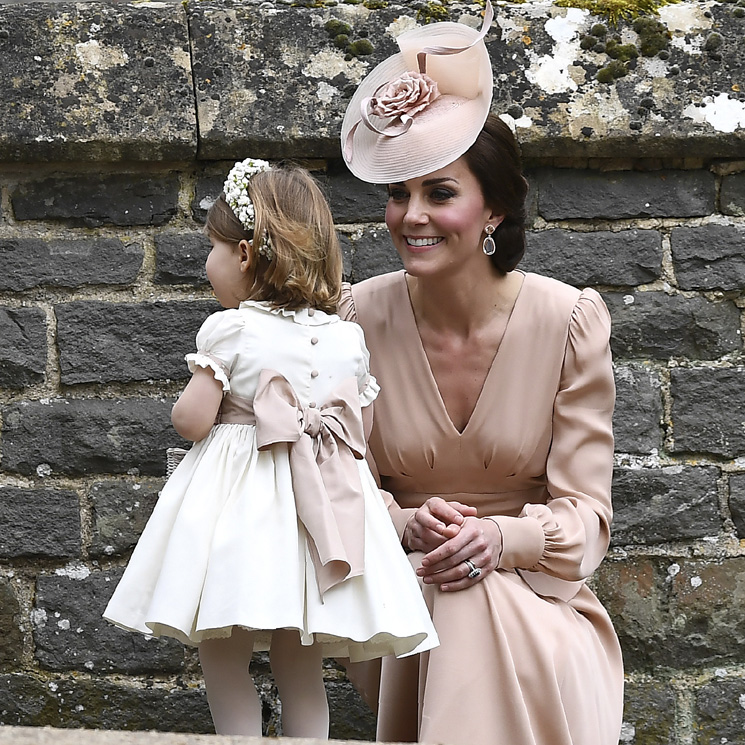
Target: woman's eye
397	195
441	195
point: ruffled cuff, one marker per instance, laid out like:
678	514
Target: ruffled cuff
523	540
218	367
370	392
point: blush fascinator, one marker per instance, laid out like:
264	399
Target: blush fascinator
422	108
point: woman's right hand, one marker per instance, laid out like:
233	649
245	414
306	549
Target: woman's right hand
435	522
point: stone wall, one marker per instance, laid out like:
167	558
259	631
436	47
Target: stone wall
119	123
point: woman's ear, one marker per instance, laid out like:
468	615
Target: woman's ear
244	247
496	220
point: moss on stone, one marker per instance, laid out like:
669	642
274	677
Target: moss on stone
623	52
375	4
653	36
614	69
432	12
334	27
616	10
360	48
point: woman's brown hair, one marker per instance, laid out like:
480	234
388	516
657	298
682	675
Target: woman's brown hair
494	159
306	264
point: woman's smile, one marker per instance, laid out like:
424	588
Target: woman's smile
419	243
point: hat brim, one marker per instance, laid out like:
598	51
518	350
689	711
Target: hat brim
439	134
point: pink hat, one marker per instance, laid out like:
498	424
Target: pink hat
422	108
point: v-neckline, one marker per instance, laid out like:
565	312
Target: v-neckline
426	364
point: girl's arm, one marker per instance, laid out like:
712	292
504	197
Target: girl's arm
194	413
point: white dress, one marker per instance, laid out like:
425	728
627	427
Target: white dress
225	546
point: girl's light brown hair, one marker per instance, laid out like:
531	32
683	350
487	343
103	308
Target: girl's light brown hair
306	265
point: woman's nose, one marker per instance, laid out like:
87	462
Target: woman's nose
416	214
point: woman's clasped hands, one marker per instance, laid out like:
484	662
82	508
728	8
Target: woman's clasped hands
460	548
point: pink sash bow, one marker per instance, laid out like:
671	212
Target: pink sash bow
324	444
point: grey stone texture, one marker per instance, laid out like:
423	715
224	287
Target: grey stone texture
710	257
675	613
637	418
737	502
719	712
373	253
22	354
649	713
661	326
67	617
707	411
663	505
628	257
96	81
29	263
180	257
11	649
40	523
92	201
87	436
103	342
352	200
732	195
119	511
569	194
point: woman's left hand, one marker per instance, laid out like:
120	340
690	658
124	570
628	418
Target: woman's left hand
479	541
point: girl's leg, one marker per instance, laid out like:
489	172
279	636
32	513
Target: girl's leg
398	704
298	673
232	696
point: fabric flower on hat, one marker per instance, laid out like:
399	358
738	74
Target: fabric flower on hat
405	96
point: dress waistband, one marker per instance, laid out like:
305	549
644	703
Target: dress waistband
235	410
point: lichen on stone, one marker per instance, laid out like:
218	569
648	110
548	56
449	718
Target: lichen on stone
433	12
616	10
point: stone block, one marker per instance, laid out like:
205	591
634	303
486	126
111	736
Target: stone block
709	257
737	502
104	342
180	257
732	195
661	326
373	254
706	608
119	511
633	593
208	189
92	201
271	82
707	411
663	505
23	353
39	523
87	436
96	81
352	200
32	262
648	713
70	701
351	718
70	634
628	257
637	418
347	250
11	649
719	712
565	194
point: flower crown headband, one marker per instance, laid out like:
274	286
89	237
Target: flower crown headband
236	195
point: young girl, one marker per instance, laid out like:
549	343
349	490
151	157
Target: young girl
271	533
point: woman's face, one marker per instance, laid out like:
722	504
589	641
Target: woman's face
437	221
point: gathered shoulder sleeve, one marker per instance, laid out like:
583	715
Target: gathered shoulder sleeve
347	311
568	537
366	382
217	345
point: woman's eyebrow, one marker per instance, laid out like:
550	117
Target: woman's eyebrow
442	180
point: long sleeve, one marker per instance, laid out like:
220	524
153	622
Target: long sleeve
568	537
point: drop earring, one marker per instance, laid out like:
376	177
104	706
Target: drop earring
489	245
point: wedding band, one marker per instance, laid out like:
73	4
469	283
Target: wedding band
473	570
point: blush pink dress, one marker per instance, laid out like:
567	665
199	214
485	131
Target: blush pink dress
528	655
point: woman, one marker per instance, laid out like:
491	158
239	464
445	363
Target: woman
492	434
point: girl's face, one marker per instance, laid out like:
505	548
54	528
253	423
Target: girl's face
227	267
437	221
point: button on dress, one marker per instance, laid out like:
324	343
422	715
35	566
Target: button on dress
225	545
528	655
